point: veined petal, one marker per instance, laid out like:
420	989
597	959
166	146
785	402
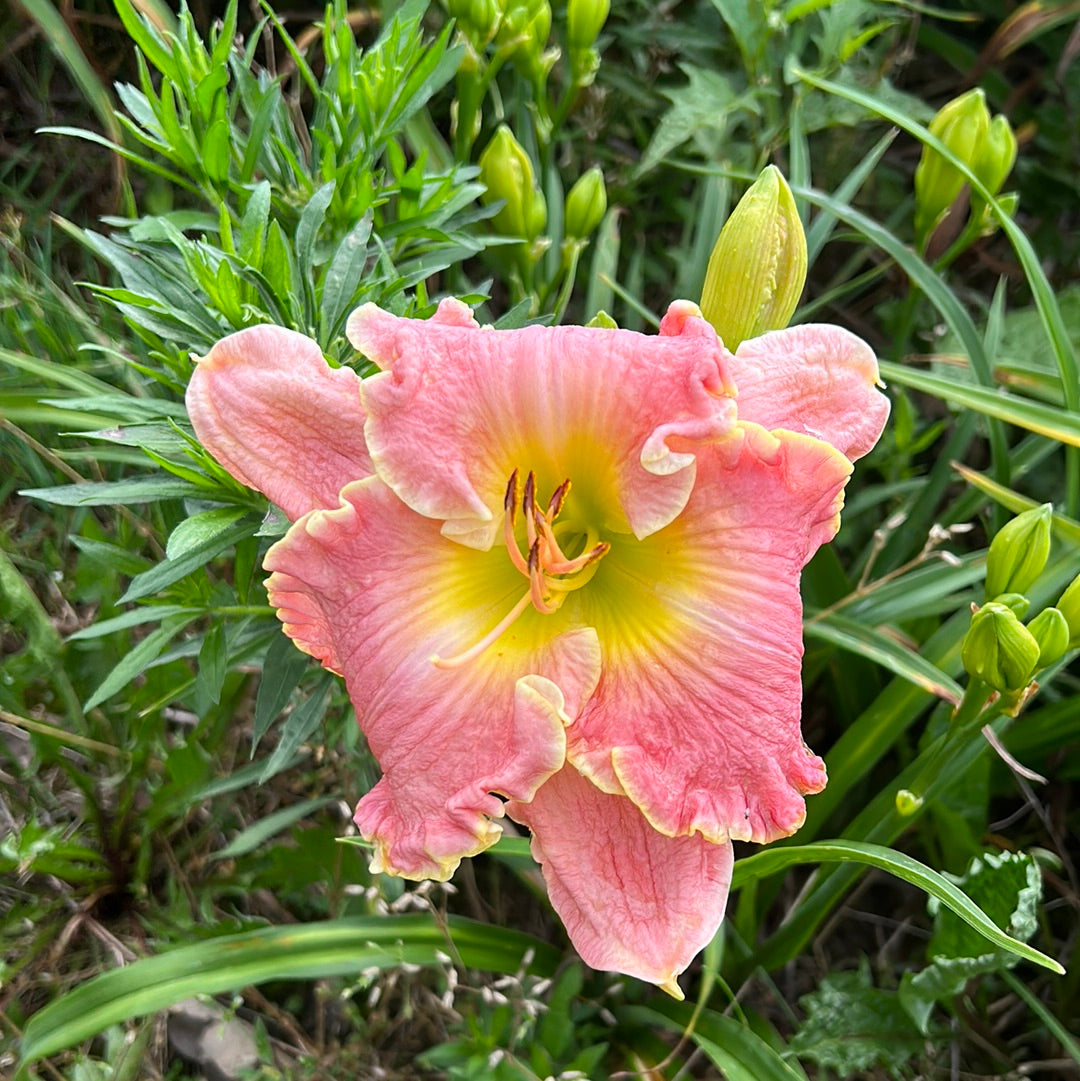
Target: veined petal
269	408
696	718
632	900
819	380
458	408
374	591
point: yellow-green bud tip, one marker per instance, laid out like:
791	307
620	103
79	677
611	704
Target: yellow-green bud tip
758	267
586	204
1051	630
1019	552
507	173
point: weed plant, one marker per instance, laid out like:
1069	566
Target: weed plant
176	778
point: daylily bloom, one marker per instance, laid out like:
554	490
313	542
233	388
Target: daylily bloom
559	567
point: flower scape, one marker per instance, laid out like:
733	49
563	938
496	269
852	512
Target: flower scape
558	568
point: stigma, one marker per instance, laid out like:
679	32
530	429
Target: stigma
552	574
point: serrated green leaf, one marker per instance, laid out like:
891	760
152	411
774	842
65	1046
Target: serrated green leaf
853	1028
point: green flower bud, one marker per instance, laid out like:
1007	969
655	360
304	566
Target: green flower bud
907	803
1019	552
586	204
584	21
1051	630
1016	601
996	156
962	125
507	172
999	649
1069	607
757	269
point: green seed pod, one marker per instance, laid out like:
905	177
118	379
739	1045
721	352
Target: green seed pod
507	172
999	649
962	125
1019	552
1051	630
586	204
757	269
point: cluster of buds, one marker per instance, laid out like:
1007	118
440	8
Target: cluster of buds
999	648
987	146
757	269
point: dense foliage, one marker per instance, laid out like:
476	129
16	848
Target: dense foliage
177	781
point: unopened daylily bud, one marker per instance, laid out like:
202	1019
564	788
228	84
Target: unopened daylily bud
962	125
1019	552
586	204
1051	630
1069	607
999	649
507	172
996	156
757	269
1016	601
584	21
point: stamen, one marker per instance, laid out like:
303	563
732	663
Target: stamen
571	566
494	634
528	508
537	582
510	501
558	498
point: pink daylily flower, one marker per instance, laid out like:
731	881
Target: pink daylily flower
559	571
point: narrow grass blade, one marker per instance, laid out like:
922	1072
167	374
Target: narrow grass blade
1064	426
64	44
311	951
882	649
1066	528
731	1046
903	866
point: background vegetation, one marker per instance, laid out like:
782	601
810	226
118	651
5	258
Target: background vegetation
176	781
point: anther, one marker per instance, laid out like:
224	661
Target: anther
558	498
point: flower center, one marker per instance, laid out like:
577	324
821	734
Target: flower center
558	558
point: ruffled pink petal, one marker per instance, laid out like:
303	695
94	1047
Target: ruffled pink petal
819	380
374	591
267	406
696	718
458	408
632	900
